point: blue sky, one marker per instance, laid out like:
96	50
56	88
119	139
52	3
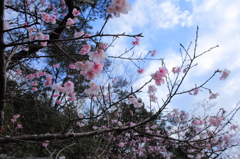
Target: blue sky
166	23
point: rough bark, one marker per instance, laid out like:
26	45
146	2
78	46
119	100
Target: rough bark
2	67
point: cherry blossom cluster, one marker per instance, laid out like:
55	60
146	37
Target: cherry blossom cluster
48	81
67	88
225	74
98	55
134	101
154	53
89	70
70	22
85	49
141	71
198	131
137	42
48	18
176	70
151	93
159	75
14	119
115	79
93	89
38	36
119	6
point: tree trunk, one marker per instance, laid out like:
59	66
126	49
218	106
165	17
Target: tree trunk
2	66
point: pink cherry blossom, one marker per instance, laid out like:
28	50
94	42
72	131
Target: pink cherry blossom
62	1
30	30
119	123
56	95
176	70
132	99
93	90
153	98
69	22
36	74
151	89
48	81
158	75
89	75
98	67
44	44
85	49
163	70
85	67
58	102
79	65
78	34
94	128
137	42
225	74
98	56
159	81
216	120
45	144
103	46
153	53
80	116
42	73
34	83
137	104
75	12
80	124
114	121
34	89
16	116
141	71
57	87
121	144
88	65
114	80
131	112
19	72
196	91
56	66
68	87
213	96
132	124
30	76
119	6
13	120
71	98
19	126
71	66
